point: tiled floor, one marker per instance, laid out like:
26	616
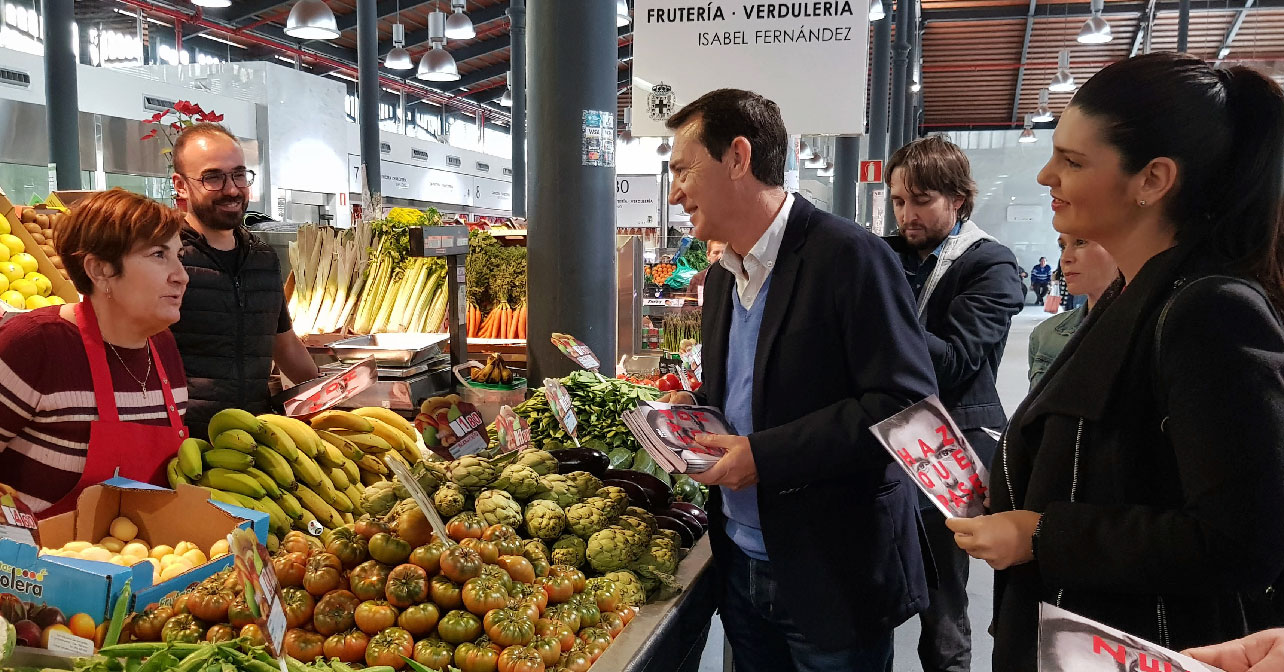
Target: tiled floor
1012	388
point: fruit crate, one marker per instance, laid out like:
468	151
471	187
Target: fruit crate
61	287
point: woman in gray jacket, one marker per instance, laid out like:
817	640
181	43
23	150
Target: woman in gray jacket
1086	268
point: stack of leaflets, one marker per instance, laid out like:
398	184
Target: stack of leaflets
668	433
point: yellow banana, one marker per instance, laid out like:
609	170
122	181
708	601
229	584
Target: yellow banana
353	493
307	470
189	457
273	543
338	478
390	417
290	505
175	474
369	478
329	456
341	420
341	503
269	484
372	464
299	431
280	438
302	523
227	459
348	518
235	418
280	521
325	513
331	495
271	463
352	471
389	433
367	442
235	439
232	481
348	448
410	452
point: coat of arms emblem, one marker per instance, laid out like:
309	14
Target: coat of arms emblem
660	102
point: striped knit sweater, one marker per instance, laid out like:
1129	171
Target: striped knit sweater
47	401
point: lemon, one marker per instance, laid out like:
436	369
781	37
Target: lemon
4	284
12	242
56	301
124	529
11	271
4	226
24	287
43	286
14	299
4	253
112	544
37	301
159	552
26	261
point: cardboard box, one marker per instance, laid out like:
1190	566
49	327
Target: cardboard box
61	286
163	516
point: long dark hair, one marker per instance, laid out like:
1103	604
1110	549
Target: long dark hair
1224	127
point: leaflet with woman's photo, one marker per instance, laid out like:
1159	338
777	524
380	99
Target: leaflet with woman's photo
924	440
668	433
1069	642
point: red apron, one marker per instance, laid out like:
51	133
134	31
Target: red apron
139	451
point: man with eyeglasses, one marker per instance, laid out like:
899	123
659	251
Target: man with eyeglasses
234	322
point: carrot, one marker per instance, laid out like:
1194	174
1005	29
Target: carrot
484	331
489	330
522	326
510	329
470	321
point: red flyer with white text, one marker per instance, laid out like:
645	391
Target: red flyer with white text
924	440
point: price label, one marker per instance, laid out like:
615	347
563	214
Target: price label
514	432
559	399
262	590
671	303
576	350
70	645
418	494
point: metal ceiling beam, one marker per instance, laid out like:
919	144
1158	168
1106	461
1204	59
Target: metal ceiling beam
479	75
1232	31
242	11
1144	24
462	54
1025	51
484	15
1061	10
384	9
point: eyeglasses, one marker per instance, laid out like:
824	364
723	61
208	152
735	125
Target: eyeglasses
218	181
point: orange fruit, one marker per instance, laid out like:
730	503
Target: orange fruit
44	636
82	625
100	633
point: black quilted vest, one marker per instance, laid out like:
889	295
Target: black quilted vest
227	327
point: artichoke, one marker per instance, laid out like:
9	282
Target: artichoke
617	500
610	549
631	591
586	483
645	516
497	507
545	519
584	519
558	489
672	536
429	475
519	481
636	530
472	472
660	557
535	549
448	500
541	461
569	550
378	499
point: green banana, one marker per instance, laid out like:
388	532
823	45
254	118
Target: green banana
348	448
235	439
354	495
325	513
175	474
269	484
307	470
233	481
235	418
227	459
189	457
225	497
338	478
329	456
280	521
352	471
271	463
290	505
280	440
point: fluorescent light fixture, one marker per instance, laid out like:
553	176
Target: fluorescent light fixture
1063	81
876	10
459	26
1043	113
1096	30
311	20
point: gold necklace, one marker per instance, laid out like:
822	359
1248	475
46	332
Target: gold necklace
141	383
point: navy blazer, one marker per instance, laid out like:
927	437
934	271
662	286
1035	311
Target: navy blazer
839	349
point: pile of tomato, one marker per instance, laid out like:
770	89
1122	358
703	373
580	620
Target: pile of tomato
668	382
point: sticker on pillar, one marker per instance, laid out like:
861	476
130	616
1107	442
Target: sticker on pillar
599	139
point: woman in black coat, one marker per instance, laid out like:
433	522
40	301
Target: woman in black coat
1141	484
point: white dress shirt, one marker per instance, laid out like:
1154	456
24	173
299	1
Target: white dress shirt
752	270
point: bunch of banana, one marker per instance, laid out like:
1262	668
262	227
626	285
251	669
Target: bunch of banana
274	464
369	433
496	372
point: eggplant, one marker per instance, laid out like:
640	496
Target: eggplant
659	494
687	519
694	511
669	523
637	495
591	460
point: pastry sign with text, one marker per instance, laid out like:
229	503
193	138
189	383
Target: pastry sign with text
575	349
514	432
451	427
262	590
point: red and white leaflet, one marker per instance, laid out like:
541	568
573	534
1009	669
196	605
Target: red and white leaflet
928	445
668	432
1069	642
514	432
318	395
559	399
262	590
575	349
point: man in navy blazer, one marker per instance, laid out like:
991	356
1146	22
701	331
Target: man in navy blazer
810	336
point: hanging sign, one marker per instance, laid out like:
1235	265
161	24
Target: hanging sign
262	590
575	349
759	46
513	430
559	399
637	201
871	171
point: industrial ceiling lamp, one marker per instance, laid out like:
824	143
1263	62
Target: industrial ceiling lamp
398	58
459	26
1096	30
805	153
1027	133
1043	113
876	10
437	65
622	17
311	20
665	150
507	99
918	77
212	3
1063	81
